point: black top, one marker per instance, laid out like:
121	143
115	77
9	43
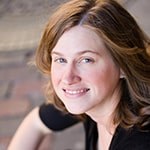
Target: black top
131	139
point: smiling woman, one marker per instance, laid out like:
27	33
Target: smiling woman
82	58
99	66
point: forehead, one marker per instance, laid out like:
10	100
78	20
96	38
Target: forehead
79	38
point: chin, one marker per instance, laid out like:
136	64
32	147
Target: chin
75	111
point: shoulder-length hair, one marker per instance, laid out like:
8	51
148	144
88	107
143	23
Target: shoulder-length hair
126	42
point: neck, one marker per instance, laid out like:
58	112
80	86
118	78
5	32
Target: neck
103	113
105	122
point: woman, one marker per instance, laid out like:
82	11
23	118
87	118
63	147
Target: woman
99	64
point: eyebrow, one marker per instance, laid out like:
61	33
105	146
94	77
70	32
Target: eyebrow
79	53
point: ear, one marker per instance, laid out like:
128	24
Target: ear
122	74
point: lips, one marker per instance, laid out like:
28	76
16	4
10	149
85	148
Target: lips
76	92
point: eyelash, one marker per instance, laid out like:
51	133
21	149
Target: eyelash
82	60
87	60
60	60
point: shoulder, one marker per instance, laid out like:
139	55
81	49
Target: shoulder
55	119
139	140
134	139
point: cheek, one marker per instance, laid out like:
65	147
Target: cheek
95	73
55	75
104	75
97	77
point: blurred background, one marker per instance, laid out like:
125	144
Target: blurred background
21	26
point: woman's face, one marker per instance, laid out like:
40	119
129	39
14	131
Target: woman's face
83	73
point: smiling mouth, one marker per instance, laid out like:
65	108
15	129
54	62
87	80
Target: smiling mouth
76	92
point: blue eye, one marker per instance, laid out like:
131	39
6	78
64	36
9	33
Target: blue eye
60	60
87	60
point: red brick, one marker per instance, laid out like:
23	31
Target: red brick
19	73
27	87
14	107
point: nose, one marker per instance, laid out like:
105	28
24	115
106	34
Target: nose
71	75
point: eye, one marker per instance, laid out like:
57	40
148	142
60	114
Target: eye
87	60
60	60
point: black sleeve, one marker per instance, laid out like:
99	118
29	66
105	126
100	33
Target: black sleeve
132	139
54	119
138	141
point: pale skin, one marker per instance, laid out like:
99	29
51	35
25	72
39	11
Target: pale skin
86	79
29	133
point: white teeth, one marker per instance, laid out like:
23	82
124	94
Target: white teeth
73	92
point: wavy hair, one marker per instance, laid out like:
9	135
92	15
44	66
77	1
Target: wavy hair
127	43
